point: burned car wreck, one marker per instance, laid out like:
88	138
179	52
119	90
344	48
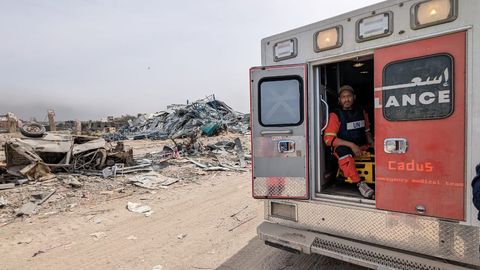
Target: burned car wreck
37	158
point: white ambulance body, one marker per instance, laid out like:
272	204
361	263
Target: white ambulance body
414	65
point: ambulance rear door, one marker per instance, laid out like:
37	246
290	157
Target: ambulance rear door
420	126
279	132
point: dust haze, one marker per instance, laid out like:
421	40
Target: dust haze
91	59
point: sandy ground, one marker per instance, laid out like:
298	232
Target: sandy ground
191	228
206	222
256	255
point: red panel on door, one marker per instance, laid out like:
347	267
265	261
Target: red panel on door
428	178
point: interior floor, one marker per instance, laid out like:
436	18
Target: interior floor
357	73
342	189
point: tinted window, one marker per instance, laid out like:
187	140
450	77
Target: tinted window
281	101
420	88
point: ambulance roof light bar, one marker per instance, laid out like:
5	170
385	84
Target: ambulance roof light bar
433	12
375	26
285	49
328	39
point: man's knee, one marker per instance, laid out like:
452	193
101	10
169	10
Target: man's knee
342	151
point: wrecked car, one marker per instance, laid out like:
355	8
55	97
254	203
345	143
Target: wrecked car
36	158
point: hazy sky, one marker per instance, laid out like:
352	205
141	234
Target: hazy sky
93	58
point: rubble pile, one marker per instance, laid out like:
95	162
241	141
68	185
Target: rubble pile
57	172
207	116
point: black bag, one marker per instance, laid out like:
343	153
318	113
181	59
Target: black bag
476	190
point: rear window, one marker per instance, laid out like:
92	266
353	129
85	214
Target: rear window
418	88
281	101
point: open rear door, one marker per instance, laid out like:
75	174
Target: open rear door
420	126
279	131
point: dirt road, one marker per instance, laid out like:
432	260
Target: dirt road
256	255
204	224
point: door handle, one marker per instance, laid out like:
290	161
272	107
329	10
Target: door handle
420	209
395	145
326	114
276	132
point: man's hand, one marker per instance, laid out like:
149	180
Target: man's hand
356	150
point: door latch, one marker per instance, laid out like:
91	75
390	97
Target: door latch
286	146
420	209
395	145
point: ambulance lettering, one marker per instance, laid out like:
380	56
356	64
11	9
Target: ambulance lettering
426	98
418	89
410	166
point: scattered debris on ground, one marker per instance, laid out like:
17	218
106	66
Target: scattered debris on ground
158	165
98	235
139	208
181	236
44	173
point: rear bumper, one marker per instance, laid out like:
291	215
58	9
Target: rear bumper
347	250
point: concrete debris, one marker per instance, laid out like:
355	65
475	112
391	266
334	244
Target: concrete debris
98	235
239	148
132	237
21	181
72	181
157	267
208	116
151	181
27	209
3	202
139	208
30	208
7	186
181	236
221	146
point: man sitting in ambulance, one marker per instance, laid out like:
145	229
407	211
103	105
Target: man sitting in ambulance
348	132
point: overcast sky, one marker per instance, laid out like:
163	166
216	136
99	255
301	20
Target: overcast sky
93	58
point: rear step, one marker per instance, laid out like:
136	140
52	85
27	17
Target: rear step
297	241
282	247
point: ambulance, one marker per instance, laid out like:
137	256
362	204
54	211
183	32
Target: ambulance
415	69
